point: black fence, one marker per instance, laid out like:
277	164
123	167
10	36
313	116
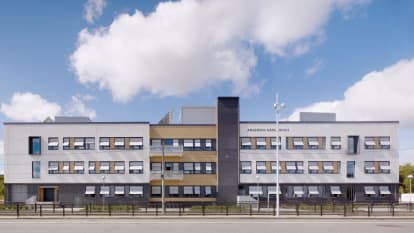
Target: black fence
175	209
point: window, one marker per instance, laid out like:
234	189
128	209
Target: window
298	143
209	145
92	167
120	143
274	143
260	167
136	190
53	143
188	144
274	166
135	143
79	144
136	167
65	144
104	167
188	190
336	143
197	168
246	144
313	191
104	143
350	169
78	169
104	191
353	144
34	145
261	143
294	167
370	143
35	169
313	143
119	190
90	191
156	142
156	190
188	168
209	168
246	167
65	167
369	191
173	191
90	143
385	143
369	167
313	167
384	167
208	191
197	191
53	167
197	144
156	167
328	167
119	167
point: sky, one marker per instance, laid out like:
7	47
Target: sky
131	60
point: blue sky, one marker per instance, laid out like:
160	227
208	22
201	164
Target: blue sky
306	60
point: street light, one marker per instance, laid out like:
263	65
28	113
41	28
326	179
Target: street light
278	107
409	178
163	177
103	195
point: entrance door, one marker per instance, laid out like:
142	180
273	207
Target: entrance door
48	194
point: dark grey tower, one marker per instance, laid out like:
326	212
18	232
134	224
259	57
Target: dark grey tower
228	149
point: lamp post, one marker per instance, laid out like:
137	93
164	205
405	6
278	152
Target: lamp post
162	177
278	107
410	177
103	195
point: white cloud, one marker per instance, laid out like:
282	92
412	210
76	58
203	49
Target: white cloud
380	95
32	107
29	107
185	46
77	107
93	9
315	67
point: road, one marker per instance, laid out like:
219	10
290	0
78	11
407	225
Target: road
204	225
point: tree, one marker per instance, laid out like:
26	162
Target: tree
405	170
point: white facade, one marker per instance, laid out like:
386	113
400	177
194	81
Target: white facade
18	161
325	129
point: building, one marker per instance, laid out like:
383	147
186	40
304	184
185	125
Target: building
209	157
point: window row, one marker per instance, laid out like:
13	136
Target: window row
186	144
313	143
118	190
186	167
95	167
314	167
184	191
295	191
291	167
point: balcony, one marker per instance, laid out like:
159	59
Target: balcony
169	150
168	175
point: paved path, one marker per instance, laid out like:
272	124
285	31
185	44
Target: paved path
204	225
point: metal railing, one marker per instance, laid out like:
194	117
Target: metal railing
181	209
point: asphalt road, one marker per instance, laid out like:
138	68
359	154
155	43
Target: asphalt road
204	225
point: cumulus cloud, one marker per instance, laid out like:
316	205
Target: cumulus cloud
77	106
29	107
380	95
93	9
315	67
184	46
33	107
